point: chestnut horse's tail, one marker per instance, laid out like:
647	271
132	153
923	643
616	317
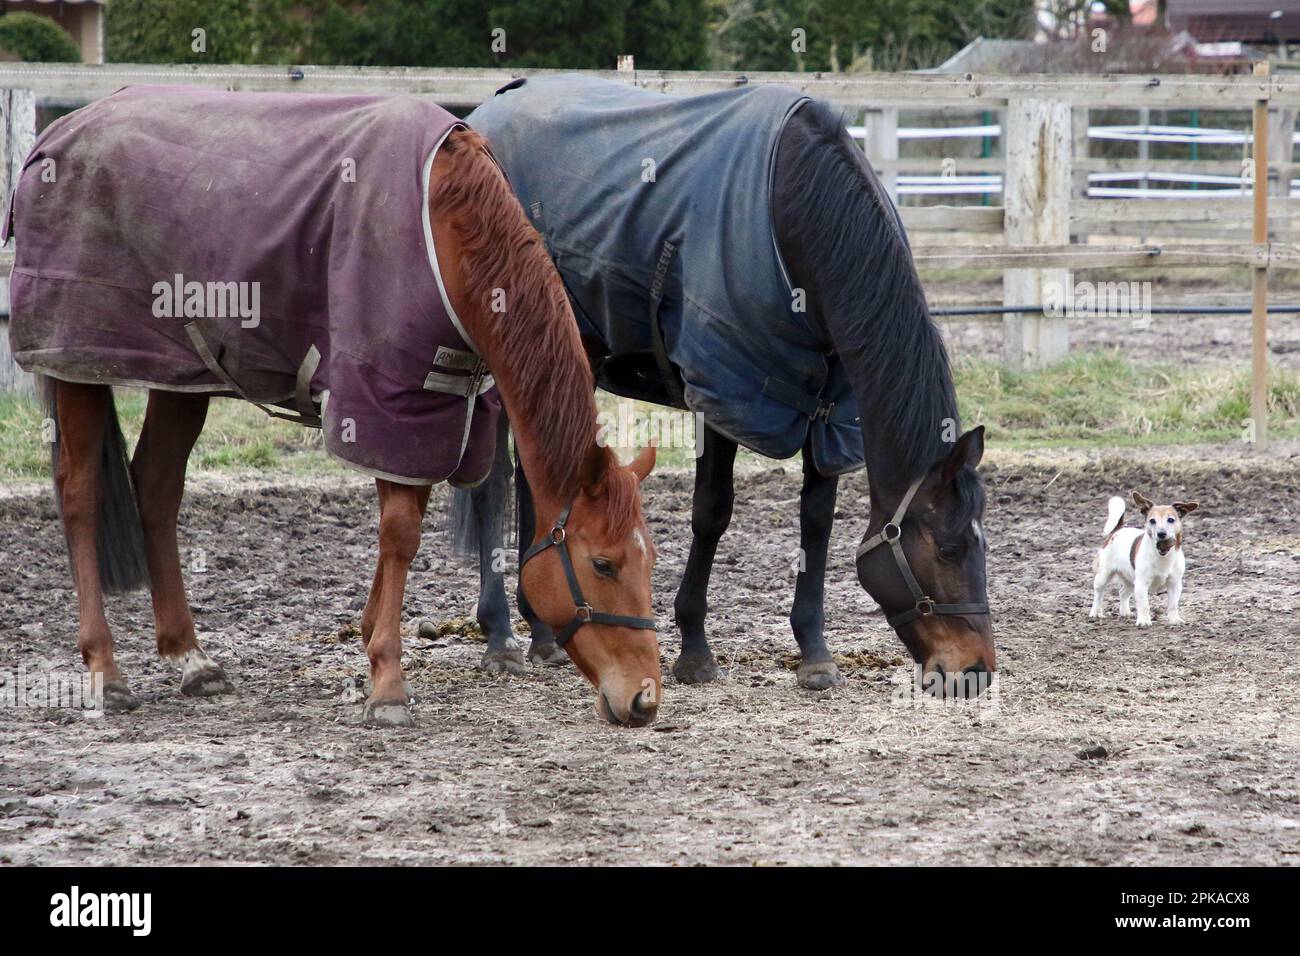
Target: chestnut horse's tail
119	542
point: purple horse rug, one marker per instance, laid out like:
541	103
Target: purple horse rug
270	247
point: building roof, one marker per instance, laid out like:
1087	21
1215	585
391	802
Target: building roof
1250	21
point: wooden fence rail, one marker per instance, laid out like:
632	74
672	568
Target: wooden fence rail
1046	160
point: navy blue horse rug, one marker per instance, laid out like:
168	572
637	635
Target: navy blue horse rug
657	211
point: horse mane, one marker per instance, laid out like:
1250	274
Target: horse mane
533	347
869	292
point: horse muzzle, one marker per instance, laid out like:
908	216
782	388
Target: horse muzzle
639	711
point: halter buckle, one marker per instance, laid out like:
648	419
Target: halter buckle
884	532
583	612
557	534
925	606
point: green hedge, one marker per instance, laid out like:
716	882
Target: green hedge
575	34
37	39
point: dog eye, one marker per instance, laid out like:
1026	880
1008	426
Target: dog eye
1153	520
1170	520
604	568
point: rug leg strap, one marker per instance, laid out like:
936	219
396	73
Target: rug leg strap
205	352
671	380
302	387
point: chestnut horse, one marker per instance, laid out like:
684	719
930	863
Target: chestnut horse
589	577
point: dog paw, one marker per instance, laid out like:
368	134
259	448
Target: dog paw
1143	622
1096	613
1174	619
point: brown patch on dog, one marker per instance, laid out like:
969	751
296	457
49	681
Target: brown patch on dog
1133	551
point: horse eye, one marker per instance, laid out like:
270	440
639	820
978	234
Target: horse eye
604	568
950	552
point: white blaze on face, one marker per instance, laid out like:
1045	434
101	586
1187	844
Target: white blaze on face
639	539
979	532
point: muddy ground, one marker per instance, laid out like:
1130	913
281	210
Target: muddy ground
1103	744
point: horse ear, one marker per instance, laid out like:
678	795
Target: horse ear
594	468
644	462
1144	503
968	450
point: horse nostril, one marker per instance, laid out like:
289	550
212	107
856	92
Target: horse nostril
975	680
642	711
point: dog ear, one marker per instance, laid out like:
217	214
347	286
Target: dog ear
1144	503
1184	508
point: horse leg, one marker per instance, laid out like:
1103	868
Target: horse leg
817	670
83	412
710	514
172	423
502	656
542	648
371	613
488	502
401	511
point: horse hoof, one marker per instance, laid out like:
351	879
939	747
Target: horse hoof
118	696
368	688
820	676
509	661
388	713
697	668
549	654
207	681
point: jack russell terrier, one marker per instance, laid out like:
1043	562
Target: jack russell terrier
1144	559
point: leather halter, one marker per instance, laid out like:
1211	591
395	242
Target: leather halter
892	534
583	613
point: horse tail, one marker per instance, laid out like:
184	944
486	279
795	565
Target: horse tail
119	539
1114	516
482	509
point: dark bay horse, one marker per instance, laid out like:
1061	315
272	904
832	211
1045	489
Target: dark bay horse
840	240
589	574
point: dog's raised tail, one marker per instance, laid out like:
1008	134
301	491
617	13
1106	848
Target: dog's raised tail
1114	515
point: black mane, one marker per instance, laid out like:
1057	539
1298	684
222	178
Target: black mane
835	220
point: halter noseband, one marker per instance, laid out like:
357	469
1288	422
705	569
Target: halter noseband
583	613
892	534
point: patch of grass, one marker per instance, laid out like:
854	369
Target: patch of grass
1094	398
1097	397
237	436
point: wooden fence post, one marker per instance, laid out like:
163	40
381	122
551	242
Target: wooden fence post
881	145
1281	147
1259	275
1080	149
17	137
1036	196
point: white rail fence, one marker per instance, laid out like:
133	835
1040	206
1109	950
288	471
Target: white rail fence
1045	176
950	183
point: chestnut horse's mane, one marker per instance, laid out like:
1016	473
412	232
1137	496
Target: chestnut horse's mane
533	346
